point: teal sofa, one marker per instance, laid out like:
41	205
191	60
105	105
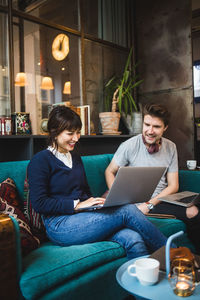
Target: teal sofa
86	271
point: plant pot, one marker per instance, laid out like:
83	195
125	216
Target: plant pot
110	122
134	125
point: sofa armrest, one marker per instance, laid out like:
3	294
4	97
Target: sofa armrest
9	251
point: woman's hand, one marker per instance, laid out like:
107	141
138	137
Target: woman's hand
90	202
143	208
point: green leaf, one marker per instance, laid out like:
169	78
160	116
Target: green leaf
126	75
125	104
110	81
132	103
126	85
128	60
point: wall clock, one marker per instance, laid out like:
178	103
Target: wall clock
60	46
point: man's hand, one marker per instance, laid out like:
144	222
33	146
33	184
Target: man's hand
90	202
143	208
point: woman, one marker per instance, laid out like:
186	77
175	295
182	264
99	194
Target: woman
58	189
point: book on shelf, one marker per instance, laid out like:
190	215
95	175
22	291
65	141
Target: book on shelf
83	111
85	119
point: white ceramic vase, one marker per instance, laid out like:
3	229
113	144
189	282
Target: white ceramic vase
134	125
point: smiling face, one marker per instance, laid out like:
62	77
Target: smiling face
64	126
66	140
153	129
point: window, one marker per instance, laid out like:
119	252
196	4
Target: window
60	12
101	63
40	61
108	20
90	40
5	105
3	2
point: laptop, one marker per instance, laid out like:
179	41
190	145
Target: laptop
185	199
131	185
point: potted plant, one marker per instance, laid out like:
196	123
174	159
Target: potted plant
122	90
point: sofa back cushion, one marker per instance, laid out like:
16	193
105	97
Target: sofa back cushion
189	181
95	166
17	171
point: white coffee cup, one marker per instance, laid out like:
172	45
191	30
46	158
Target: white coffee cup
146	270
191	164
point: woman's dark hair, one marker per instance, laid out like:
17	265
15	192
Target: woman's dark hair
158	111
62	118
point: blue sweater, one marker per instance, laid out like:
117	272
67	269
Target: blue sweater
53	186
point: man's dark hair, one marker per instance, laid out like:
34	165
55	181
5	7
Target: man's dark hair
62	118
158	111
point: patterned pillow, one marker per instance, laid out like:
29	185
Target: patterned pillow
33	217
10	205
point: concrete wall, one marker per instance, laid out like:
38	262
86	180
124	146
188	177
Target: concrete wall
163	39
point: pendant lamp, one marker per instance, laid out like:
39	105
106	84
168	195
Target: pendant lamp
67	88
47	83
20	79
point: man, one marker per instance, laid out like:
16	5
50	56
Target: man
151	149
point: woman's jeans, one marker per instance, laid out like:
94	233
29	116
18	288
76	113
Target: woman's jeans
126	225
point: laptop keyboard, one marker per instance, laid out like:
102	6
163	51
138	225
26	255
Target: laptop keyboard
188	199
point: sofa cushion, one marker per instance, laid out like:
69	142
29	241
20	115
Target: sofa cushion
95	166
51	265
168	226
171	226
10	205
99	283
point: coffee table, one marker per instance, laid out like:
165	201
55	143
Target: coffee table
160	291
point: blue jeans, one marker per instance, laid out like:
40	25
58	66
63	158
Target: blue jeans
126	225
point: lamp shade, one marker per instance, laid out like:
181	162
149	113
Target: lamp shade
20	79
47	83
67	88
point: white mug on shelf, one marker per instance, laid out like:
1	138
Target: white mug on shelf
146	270
191	164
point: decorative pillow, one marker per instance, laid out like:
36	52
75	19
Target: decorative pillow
33	217
10	205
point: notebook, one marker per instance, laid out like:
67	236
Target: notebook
131	185
185	199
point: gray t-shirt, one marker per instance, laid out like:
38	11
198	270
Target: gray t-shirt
133	152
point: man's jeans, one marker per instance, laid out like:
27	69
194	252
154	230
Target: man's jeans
126	225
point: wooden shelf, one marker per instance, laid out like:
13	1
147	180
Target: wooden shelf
23	147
